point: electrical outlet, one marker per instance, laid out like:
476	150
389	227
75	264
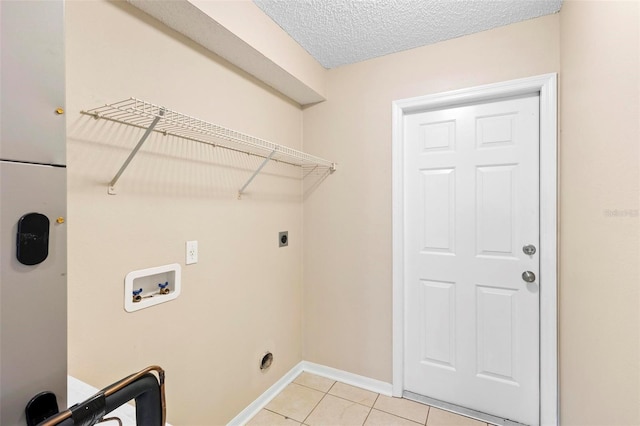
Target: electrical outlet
192	252
283	239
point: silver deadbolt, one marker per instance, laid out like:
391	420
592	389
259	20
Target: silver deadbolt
529	249
528	276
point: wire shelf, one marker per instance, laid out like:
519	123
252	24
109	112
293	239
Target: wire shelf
155	118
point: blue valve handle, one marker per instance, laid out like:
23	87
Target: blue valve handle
137	292
163	285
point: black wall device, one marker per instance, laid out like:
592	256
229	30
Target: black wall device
41	407
33	239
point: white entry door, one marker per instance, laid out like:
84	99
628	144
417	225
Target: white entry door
471	178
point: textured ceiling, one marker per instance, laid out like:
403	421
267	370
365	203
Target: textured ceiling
340	32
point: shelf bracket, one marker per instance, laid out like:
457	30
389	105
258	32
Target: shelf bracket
264	163
310	171
112	184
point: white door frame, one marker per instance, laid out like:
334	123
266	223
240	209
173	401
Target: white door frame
546	87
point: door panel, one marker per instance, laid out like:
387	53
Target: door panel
438	203
495	210
439	319
497	309
438	136
471	203
495	130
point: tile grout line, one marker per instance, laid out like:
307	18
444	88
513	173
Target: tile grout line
370	410
279	414
371	407
428	413
339	397
316	406
350	400
402	416
335	382
315	389
364	405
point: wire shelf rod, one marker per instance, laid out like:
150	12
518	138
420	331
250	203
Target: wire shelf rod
176	121
134	152
205	142
264	163
154	118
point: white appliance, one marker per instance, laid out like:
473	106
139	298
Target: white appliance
33	293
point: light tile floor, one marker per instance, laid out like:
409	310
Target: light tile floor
317	401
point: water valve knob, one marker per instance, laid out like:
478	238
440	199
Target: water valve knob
136	295
164	288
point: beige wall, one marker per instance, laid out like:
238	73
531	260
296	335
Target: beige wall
347	220
599	256
244	295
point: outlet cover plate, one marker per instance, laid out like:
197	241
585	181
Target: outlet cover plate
283	239
192	252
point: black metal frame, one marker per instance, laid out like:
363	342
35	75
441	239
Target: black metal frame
144	387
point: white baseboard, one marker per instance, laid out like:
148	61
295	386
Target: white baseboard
367	383
252	409
363	382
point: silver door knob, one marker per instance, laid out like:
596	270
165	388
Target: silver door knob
528	276
529	249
